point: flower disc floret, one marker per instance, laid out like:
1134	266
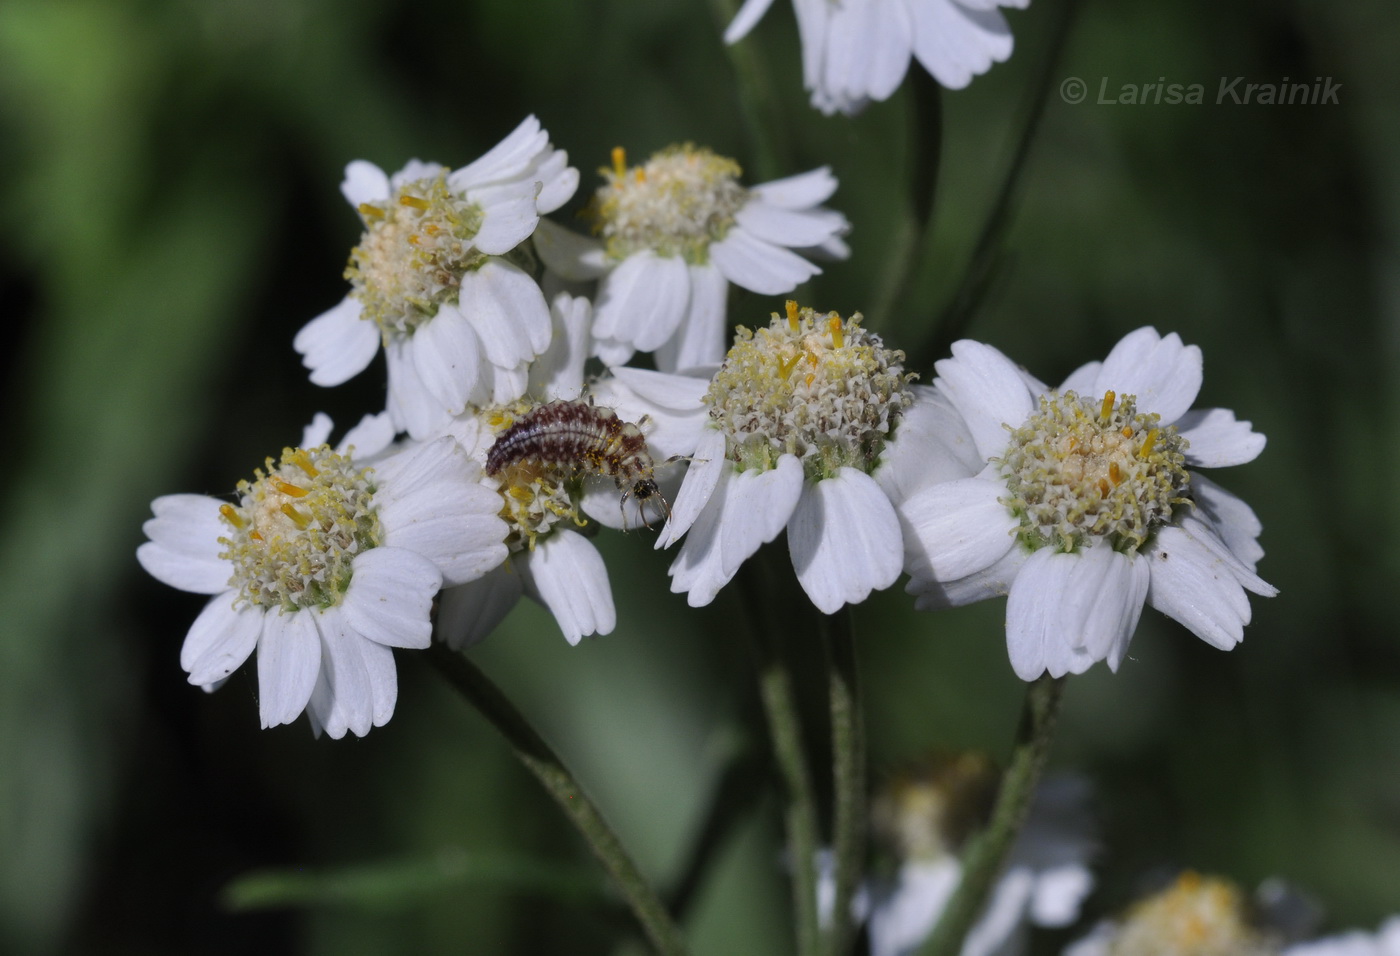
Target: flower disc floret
675	204
297	528
416	247
812	385
1081	468
1196	916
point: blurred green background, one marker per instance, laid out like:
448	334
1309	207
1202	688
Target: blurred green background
171	217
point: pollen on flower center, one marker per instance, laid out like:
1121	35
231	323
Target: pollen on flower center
416	247
1082	468
297	528
812	385
1196	916
676	204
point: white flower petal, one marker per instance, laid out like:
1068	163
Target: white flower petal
1233	520
413	171
469	612
558	181
749	14
956	528
642	300
1060	892
1164	374
1217	439
904	916
1194	586
383	680
508	311
573	256
931	445
390	597
802	191
700	482
986	387
759	266
700	339
289	658
447	356
372	435
697	571
757	505
1082	380
411	407
1109	598
318	432
343	700
511	158
220	639
1039	628
509	216
184	548
992	581
845	541
558	372
568	576
1003	915
364	183
955	44
338	344
795	228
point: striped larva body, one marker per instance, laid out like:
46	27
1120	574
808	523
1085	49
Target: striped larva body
577	438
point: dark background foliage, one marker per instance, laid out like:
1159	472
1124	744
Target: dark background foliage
169	217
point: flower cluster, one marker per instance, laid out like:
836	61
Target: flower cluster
497	458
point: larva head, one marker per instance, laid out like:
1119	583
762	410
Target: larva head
643	490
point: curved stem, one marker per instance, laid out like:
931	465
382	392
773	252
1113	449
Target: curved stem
848	771
541	761
986	853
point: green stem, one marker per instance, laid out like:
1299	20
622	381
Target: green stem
775	687
758	100
541	761
986	853
848	770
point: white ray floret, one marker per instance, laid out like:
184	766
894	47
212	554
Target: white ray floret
855	51
673	233
436	280
322	564
1081	507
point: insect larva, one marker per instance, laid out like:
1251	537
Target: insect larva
579	438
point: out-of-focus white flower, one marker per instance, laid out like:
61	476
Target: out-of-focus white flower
1085	508
322	565
554	460
1046	879
855	51
803	429
459	323
673	233
1384	942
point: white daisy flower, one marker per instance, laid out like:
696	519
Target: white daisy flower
795	423
459	323
1195	916
323	564
855	51
1085	509
554	461
673	233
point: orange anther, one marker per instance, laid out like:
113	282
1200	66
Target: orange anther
370	211
1115	474
303	461
298	519
1106	408
1148	444
231	516
791	306
287	488
619	158
838	332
